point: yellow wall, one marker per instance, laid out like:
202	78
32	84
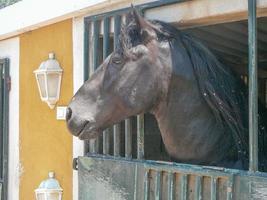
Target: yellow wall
45	143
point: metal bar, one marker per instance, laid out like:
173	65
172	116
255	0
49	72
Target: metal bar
1	191
198	188
106	141
86	51
146	185
106	21
128	138
5	127
95	44
158	186
86	68
230	188
116	127
183	182
117	139
135	182
170	186
140	136
94	144
117	28
253	86
1	120
213	188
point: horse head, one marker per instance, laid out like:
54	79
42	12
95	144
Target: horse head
130	81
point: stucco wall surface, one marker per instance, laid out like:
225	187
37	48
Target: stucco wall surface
45	144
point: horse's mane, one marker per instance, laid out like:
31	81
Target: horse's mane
223	91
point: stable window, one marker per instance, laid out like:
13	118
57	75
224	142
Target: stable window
4	89
139	138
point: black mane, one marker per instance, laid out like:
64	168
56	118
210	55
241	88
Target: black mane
222	90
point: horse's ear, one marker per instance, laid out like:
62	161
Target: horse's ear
144	27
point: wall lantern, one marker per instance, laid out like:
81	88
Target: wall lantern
49	189
48	77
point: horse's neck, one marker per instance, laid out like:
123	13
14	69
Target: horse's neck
185	121
182	104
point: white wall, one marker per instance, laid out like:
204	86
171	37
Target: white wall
23	15
77	28
10	49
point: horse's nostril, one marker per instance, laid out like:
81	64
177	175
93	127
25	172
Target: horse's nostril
68	113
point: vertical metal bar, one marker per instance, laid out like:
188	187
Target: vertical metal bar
146	185
230	188
140	136
170	186
1	191
5	127
253	86
94	143
135	181
86	56
95	44
106	142
265	93
198	188
116	127
106	37
1	120
158	186
86	68
141	127
117	28
117	139
213	188
128	138
183	182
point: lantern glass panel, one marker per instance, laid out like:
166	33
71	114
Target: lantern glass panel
53	196
41	196
41	81
53	84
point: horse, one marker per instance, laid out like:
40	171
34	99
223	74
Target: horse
199	103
